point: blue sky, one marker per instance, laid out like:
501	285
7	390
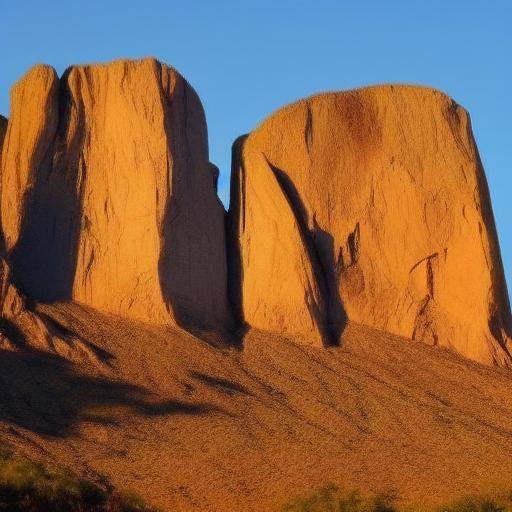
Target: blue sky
246	59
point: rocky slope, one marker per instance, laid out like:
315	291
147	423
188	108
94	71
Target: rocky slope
370	205
196	427
108	197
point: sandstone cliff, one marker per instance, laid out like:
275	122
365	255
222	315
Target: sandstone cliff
108	197
16	323
370	205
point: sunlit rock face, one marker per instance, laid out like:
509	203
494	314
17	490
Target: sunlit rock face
108	197
369	205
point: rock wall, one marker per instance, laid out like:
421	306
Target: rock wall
367	205
370	205
108	197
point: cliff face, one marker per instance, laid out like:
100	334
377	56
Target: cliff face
367	205
108	197
370	205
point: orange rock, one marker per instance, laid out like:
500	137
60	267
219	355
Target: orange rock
31	131
19	327
373	205
108	197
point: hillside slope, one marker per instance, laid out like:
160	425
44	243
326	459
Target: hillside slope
193	425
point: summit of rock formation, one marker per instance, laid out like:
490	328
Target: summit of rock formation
108	197
369	205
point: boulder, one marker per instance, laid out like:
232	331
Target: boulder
369	205
108	197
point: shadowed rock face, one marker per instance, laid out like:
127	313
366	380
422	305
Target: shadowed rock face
372	205
108	197
3	129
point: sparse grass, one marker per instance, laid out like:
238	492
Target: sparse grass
28	486
495	503
333	499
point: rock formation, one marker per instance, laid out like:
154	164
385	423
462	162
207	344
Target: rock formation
367	205
370	205
108	197
19	327
17	324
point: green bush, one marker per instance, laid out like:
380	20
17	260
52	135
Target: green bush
332	499
28	486
501	503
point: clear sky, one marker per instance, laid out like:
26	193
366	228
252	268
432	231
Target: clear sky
246	59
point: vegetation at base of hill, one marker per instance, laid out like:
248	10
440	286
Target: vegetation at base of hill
26	486
331	498
501	503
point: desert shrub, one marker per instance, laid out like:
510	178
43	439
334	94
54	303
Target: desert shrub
29	486
498	503
333	499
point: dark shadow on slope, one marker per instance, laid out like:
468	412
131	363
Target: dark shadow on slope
13	333
56	328
320	247
224	385
43	261
46	394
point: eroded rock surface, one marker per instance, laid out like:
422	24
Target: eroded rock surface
19	327
373	205
108	197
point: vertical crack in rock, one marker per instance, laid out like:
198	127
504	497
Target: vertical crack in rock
308	129
3	131
348	255
424	325
235	224
453	115
323	271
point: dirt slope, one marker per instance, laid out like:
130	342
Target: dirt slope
195	426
